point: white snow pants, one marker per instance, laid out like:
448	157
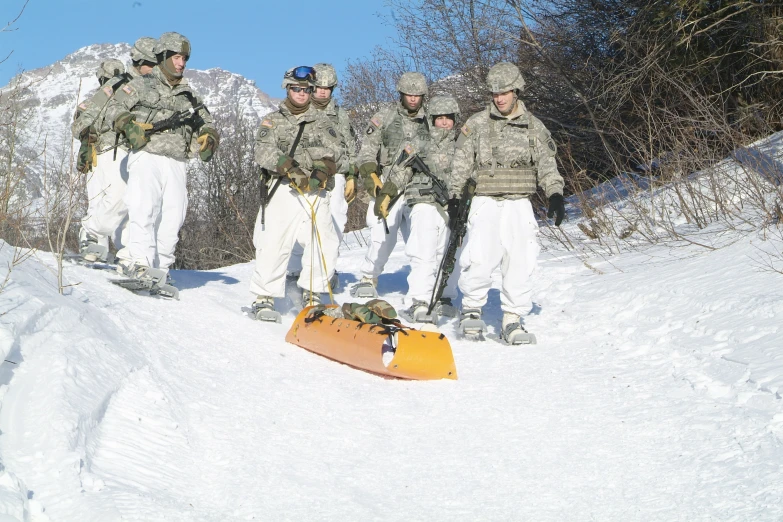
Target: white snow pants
381	243
288	222
426	236
339	209
106	212
499	233
157	200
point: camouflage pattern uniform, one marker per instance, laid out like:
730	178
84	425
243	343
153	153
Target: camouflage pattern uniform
389	132
106	172
157	190
288	215
326	76
509	156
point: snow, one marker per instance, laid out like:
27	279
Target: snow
654	393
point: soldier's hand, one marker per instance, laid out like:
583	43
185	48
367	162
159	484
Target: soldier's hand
556	208
325	165
452	209
208	142
369	174
134	132
87	158
386	194
284	164
318	180
299	178
350	189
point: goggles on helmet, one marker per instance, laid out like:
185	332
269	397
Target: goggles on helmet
301	73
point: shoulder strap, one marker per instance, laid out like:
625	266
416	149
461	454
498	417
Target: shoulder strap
124	78
296	140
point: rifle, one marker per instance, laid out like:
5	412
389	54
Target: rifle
458	225
439	189
186	116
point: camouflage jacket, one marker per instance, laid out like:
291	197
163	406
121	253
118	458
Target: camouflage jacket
390	130
342	124
517	143
277	132
441	152
151	99
90	116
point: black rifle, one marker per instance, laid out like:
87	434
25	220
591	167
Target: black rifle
458	225
266	194
439	189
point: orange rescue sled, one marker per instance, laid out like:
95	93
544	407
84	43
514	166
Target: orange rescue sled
417	354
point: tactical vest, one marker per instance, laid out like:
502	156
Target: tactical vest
518	178
393	137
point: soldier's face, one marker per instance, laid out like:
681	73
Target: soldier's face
322	93
178	61
300	97
505	101
444	122
412	100
145	69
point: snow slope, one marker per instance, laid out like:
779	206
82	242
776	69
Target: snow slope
654	393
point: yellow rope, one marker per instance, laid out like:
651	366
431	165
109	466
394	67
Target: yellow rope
314	228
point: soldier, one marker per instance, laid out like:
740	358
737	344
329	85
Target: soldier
443	111
157	189
100	158
390	132
508	152
300	150
342	194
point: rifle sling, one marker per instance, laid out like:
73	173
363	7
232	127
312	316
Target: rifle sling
290	154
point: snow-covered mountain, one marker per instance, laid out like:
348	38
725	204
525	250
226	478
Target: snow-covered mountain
47	98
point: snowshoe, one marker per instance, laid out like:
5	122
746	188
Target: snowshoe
417	313
515	333
263	309
365	288
444	308
153	280
310	298
471	326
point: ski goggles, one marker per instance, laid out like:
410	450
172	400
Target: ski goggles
301	73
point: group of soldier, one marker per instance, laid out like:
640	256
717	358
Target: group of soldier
141	127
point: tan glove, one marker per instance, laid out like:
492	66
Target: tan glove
350	189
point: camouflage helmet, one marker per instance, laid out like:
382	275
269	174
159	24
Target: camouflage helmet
174	42
441	105
110	69
412	83
303	76
325	75
144	50
504	77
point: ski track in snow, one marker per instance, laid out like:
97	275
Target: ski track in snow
653	394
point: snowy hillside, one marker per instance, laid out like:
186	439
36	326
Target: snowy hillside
50	95
654	393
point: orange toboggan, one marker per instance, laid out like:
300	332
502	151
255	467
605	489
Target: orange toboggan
417	354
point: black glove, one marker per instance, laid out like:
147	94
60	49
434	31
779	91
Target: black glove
452	208
556	208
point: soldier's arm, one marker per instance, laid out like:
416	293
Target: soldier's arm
87	113
371	144
122	102
463	161
266	152
549	178
349	135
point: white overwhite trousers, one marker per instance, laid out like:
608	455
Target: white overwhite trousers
288	223
157	200
500	233
381	243
106	186
339	209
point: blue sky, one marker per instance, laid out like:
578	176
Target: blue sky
257	39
